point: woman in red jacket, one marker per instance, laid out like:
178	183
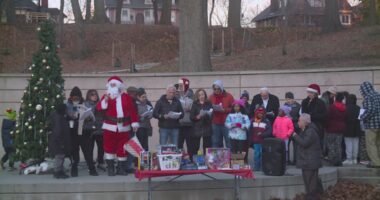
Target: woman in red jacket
336	126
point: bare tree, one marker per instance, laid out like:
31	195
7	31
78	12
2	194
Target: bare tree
234	13
332	21
166	12
194	54
79	23
284	26
372	12
211	12
155	11
88	10
119	6
60	23
100	13
9	8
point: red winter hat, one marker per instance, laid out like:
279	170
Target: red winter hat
185	82
260	110
115	79
314	88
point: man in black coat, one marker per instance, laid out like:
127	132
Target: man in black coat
59	140
316	108
270	102
309	157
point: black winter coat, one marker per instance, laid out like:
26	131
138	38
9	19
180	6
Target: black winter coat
163	107
60	139
272	107
202	127
309	152
317	111
6	128
353	123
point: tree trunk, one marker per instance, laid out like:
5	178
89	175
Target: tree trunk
119	6
211	12
234	13
332	21
166	12
60	24
372	12
284	27
155	11
194	54
88	10
10	11
100	16
79	23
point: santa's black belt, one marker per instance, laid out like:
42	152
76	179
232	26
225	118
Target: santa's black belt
118	120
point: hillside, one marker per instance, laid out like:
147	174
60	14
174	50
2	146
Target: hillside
253	49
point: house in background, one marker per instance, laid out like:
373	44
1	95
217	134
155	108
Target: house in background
302	13
27	11
139	11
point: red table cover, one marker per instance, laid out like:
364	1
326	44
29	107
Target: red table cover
245	173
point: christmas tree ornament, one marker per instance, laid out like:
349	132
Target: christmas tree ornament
33	65
41	131
41	79
17	131
46	99
58	96
47	48
38	29
48	67
22	101
30	105
52	107
22	113
30	68
35	88
25	91
30	127
43	60
11	132
38	107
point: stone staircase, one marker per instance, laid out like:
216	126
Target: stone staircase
359	174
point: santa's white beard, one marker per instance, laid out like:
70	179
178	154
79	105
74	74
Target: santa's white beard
113	92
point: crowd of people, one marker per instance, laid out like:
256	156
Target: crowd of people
345	132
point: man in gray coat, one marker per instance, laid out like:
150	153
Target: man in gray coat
309	156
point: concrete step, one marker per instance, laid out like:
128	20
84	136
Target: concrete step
369	180
358	172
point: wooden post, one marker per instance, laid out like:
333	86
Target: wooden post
232	40
113	53
24	55
222	40
132	69
212	40
243	41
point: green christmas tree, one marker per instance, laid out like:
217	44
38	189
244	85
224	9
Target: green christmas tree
45	90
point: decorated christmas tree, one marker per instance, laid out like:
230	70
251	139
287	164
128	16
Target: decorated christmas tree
44	91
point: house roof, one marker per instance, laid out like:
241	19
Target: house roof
296	7
136	4
28	4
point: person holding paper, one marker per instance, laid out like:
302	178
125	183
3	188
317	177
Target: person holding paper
145	111
221	102
186	95
168	110
267	100
371	120
75	107
201	116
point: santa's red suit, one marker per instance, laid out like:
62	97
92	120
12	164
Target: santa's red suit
120	117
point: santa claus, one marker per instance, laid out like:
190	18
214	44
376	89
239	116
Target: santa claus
120	119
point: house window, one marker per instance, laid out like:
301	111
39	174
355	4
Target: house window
147	13
148	2
173	2
124	15
126	2
173	17
307	20
345	19
132	18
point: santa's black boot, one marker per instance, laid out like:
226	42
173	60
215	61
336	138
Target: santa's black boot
122	168
110	167
63	175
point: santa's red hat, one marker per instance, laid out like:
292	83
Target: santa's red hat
185	82
314	88
117	80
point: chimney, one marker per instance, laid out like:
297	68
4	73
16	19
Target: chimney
274	5
45	3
